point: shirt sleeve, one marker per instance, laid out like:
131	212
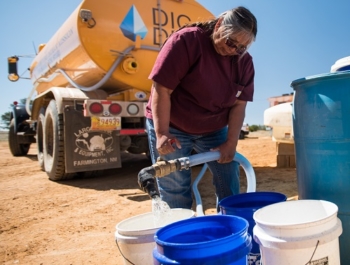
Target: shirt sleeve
175	59
247	80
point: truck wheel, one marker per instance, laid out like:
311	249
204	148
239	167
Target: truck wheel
16	148
241	135
40	138
139	145
54	144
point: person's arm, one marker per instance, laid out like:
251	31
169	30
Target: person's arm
236	119
161	104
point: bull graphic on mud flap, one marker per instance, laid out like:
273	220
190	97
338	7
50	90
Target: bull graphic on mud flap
94	144
96	148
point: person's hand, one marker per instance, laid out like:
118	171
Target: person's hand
227	152
166	144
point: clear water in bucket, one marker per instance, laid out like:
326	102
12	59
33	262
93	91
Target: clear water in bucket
161	212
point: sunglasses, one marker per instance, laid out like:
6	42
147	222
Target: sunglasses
230	43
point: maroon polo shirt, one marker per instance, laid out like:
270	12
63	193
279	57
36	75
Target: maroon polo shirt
204	83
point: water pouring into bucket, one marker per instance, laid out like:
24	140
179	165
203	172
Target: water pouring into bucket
161	212
147	182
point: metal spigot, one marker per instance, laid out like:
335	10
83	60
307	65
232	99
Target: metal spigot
147	181
147	176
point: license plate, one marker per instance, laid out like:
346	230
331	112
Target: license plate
105	123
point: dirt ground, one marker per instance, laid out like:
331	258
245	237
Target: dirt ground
73	222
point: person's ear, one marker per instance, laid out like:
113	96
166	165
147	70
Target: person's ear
218	24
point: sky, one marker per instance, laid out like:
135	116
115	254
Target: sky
296	38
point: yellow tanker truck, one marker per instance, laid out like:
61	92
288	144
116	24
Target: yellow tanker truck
90	84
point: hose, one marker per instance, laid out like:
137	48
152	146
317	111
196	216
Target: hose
146	177
211	156
198	159
197	196
104	79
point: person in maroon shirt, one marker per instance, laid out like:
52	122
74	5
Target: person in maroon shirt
202	79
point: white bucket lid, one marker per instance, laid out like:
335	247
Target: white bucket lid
297	225
340	64
295	213
144	223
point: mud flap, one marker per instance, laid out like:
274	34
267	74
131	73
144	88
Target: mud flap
88	150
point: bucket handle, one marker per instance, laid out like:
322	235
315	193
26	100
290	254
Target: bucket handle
309	262
121	253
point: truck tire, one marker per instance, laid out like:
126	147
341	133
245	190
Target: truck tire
241	135
16	148
40	138
54	157
139	145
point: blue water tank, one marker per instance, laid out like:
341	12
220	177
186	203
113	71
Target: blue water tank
321	125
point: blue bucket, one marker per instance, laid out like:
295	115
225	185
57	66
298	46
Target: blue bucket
321	124
245	205
210	240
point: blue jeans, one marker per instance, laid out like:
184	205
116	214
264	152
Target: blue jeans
175	188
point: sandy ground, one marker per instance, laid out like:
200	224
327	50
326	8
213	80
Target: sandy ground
73	222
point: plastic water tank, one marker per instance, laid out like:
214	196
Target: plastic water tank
321	112
279	117
342	64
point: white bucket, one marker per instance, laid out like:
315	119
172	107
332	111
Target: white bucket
135	236
298	232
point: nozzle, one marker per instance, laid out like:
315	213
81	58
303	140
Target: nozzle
147	176
147	181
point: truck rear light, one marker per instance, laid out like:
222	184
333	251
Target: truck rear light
96	108
133	109
115	109
110	108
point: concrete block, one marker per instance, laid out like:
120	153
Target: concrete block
285	148
287	161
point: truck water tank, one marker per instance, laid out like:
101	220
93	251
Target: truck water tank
279	117
120	38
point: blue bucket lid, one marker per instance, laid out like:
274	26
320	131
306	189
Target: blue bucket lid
204	237
251	201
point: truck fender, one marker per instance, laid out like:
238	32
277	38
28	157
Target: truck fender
19	114
60	94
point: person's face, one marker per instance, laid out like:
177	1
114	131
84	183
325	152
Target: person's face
232	45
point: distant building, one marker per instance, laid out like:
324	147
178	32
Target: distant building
280	99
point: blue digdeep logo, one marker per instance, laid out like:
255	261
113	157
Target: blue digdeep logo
133	25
